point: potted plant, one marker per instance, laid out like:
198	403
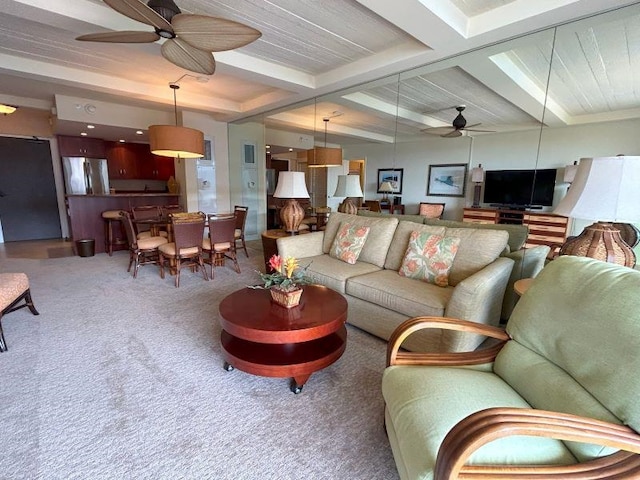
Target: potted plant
285	281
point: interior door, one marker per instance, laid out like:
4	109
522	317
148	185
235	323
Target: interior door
28	204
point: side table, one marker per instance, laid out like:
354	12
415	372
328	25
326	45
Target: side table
269	246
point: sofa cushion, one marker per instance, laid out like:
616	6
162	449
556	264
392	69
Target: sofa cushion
333	273
349	242
398	247
478	248
380	235
422	410
429	258
517	233
389	290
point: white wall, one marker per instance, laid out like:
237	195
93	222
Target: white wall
514	150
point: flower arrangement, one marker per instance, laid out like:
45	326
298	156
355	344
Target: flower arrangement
286	275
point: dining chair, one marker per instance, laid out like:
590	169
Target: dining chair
431	210
240	213
143	212
186	248
143	250
221	242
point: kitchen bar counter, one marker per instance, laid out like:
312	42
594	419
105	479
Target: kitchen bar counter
85	212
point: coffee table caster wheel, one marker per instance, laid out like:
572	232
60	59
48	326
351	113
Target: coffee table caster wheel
227	366
296	388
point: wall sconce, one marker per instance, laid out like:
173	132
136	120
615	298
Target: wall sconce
477	177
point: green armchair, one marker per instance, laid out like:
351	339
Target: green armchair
553	396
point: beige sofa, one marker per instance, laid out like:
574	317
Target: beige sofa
380	299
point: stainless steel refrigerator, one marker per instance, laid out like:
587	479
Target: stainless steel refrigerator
85	176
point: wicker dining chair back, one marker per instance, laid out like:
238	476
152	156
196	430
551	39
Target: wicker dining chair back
141	250
241	213
221	243
186	248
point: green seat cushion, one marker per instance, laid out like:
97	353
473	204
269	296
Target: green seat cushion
424	403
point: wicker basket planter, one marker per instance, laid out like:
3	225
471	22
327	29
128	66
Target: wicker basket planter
286	299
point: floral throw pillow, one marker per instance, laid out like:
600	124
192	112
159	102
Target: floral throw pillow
429	258
349	242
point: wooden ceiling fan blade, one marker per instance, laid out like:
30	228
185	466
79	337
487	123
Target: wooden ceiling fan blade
190	58
121	37
476	130
439	130
212	33
467	127
139	11
455	133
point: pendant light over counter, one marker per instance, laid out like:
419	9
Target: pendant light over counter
324	156
176	141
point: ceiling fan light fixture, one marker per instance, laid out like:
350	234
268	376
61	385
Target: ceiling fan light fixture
7	109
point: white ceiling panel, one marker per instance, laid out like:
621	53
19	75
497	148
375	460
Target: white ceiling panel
471	8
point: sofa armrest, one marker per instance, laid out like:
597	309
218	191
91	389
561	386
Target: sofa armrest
528	263
478	298
491	424
408	327
301	246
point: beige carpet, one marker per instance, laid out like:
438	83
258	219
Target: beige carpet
122	379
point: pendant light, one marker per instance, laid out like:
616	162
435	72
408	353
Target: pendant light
324	156
7	109
176	141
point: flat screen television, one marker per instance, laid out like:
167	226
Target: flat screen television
516	188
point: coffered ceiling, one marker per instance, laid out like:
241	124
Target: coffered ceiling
311	48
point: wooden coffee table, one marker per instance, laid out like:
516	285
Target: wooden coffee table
263	338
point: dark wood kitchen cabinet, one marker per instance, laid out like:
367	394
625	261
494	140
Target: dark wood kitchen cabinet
135	161
81	147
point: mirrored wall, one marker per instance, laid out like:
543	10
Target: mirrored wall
538	103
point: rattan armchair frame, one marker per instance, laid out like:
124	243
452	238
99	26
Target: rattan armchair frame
487	425
137	254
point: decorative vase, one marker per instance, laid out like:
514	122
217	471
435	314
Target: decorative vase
286	299
172	185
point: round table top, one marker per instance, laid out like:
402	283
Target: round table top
250	314
522	285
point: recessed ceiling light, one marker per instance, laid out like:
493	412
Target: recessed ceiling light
139	132
121	140
268	146
84	134
7	109
291	149
91	126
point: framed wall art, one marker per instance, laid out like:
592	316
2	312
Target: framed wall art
447	180
393	176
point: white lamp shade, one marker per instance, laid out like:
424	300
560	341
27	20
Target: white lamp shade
570	173
386	187
291	185
477	174
348	186
604	189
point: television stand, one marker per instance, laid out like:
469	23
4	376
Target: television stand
544	228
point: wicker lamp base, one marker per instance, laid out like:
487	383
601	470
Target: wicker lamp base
347	206
601	241
291	215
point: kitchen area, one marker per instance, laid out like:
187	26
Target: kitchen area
104	175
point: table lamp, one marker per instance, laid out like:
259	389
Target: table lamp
290	187
385	188
349	187
477	177
605	189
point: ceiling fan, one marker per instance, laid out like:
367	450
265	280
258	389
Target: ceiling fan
190	38
457	127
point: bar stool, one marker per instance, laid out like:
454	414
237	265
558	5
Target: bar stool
109	217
